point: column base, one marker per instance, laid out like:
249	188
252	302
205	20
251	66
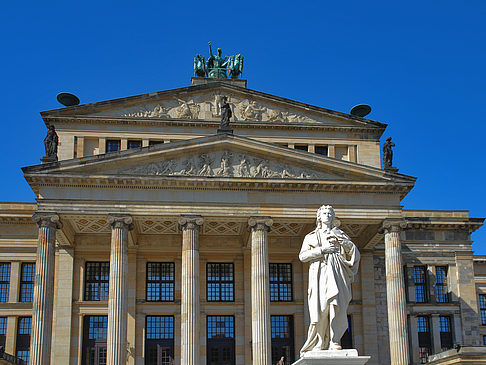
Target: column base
332	357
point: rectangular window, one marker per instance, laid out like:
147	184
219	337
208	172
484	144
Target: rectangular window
154	142
423	328
445	332
113	145
27	282
281	282
282	339
160	282
96	281
321	150
3	330
482	308
23	338
94	340
419	277
220	282
441	292
134	143
301	147
159	340
220	340
4	281
484	340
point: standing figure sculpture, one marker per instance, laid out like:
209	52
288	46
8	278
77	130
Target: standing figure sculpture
50	143
226	114
216	67
334	261
388	153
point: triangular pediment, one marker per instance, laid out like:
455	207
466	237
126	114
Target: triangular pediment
203	102
218	157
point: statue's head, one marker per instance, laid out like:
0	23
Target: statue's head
388	139
219	52
325	214
52	128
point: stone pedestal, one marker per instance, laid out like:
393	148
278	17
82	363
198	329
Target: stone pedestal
40	342
116	341
332	357
190	314
260	291
395	293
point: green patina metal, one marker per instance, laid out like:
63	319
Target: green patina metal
217	66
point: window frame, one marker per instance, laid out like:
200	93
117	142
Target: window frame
26	285
23	339
280	283
423	285
97	344
424	339
158	344
132	141
160	281
219	281
221	342
99	281
445	296
446	340
280	342
482	308
112	141
5	284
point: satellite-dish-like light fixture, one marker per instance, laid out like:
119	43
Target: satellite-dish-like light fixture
361	110
67	99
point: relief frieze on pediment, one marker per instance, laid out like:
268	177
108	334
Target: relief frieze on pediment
222	164
208	107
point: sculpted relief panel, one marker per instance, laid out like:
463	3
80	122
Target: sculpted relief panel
208	107
223	164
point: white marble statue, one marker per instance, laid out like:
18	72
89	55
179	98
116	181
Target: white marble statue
334	261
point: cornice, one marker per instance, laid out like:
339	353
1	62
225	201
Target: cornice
467	224
214	183
210	124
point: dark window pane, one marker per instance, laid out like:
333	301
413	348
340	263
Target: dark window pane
27	282
160	328
441	292
281	282
220	340
301	147
112	145
155	142
160	282
425	346
134	144
159	340
347	339
97	281
420	284
4	281
94	340
221	327
321	150
220	282
482	307
282	339
23	338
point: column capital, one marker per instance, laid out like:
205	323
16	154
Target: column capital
47	219
190	222
260	223
120	221
393	225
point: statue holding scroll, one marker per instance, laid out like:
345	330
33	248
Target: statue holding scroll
334	261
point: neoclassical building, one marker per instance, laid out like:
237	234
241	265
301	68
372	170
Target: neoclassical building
157	239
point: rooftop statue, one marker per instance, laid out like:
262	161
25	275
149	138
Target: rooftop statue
217	66
50	143
388	154
334	261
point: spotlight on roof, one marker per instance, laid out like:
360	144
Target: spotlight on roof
67	99
361	110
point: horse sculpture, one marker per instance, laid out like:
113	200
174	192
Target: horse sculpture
235	66
199	66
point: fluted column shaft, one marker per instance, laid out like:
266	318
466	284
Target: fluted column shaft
190	317
395	294
41	331
116	341
260	291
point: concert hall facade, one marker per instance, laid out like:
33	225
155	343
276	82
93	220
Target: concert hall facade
159	238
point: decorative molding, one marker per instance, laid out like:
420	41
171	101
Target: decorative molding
90	224
286	229
122	221
224	227
260	223
157	225
353	230
190	222
48	220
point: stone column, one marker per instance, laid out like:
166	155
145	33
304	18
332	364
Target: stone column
116	341
40	341
395	293
260	291
190	316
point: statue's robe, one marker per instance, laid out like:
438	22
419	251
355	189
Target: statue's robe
330	278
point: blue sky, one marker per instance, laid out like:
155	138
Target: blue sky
419	64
